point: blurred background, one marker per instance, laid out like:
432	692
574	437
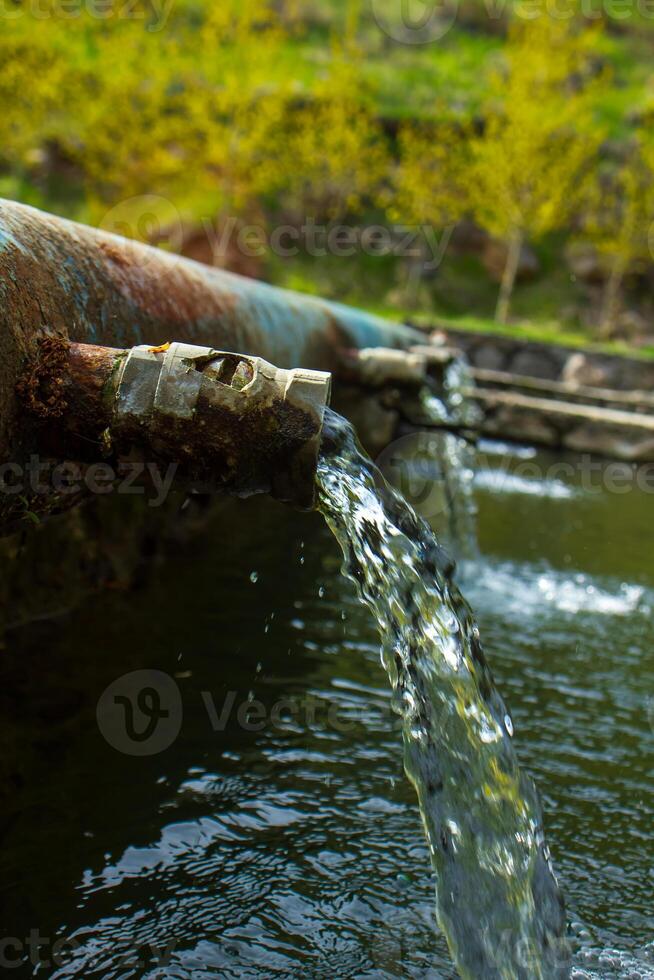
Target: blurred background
481	163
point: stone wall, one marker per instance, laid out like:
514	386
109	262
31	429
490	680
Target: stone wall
553	362
598	422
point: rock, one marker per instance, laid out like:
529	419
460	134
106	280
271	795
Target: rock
468	238
375	424
493	258
490	357
586	263
215	247
630	325
439	338
580	369
536	363
514	423
611	443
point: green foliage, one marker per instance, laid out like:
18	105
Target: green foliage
283	109
32	77
527	169
619	220
335	154
428	181
192	109
620	210
523	173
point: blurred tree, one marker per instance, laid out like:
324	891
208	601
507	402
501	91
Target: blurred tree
336	153
187	109
31	76
425	190
198	111
335	148
191	115
620	222
525	173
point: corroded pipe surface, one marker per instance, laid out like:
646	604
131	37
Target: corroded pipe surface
57	277
212	420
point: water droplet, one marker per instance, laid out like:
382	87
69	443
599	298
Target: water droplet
508	724
254	577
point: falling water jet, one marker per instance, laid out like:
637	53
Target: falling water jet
461	453
498	901
456	457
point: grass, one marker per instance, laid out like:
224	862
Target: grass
462	297
410	80
541	332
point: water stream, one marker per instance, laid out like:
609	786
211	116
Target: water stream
460	455
498	902
434	465
455	459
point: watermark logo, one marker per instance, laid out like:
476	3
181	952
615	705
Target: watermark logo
423	243
411	465
415	21
156	220
141	713
148	218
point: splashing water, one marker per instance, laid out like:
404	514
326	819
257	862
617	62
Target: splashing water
456	457
497	899
456	454
461	455
458	381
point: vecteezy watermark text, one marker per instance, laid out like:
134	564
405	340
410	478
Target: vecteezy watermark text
423	242
39	476
44	953
417	22
413	464
153	14
155	219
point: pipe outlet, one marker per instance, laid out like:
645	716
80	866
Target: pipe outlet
223	421
377	367
231	420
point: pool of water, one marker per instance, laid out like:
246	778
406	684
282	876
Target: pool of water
271	830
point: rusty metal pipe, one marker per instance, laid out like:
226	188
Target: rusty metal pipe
57	277
215	421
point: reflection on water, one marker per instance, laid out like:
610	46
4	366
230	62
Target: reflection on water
295	848
501	481
536	589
